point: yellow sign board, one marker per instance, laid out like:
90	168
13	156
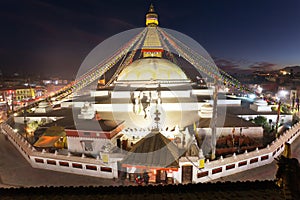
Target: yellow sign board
105	158
201	163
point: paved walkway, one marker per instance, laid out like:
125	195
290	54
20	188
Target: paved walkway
15	171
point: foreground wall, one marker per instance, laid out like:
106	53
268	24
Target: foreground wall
64	163
238	163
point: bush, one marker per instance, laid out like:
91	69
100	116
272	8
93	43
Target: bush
260	120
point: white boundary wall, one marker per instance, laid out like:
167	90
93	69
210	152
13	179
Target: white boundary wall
238	163
128	107
63	163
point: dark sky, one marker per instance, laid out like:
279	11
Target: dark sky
53	37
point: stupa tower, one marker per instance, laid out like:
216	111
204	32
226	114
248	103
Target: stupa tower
152	45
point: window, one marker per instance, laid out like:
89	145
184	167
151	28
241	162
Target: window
64	164
106	169
253	160
87	145
76	165
242	163
38	160
202	174
86	133
51	162
264	157
91	167
230	166
217	170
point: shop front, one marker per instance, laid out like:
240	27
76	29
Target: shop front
150	174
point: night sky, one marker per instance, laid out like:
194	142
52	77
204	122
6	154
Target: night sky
51	38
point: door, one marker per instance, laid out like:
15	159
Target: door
187	174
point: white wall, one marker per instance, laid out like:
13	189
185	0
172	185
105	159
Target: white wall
99	93
128	107
175	94
120	94
66	104
227	102
241	162
74	144
31	119
202	92
52	161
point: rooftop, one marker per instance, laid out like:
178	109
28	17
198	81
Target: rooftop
229	121
154	150
244	110
89	125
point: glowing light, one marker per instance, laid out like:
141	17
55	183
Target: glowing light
283	72
283	93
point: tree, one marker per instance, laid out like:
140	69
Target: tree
260	120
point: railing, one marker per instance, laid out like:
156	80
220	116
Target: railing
56	162
242	162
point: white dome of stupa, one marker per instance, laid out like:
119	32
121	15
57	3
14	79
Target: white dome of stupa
152	69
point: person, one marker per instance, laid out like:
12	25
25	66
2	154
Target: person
123	177
146	177
139	180
145	103
293	101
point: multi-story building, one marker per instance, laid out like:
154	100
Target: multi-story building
24	93
17	95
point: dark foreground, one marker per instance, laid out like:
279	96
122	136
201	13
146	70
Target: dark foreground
226	190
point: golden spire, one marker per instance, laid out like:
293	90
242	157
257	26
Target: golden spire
151	9
151	17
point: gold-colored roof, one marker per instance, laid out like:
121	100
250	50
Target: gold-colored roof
152	40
